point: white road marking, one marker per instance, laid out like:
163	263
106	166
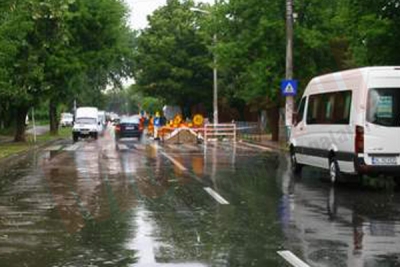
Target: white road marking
139	146
122	147
53	148
175	162
216	196
244	147
190	147
257	146
72	147
292	259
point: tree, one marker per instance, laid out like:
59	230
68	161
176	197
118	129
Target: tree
173	60
375	31
56	50
99	52
252	42
251	52
21	68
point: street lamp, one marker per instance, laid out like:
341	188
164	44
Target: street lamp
215	71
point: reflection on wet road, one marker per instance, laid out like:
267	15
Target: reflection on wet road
101	203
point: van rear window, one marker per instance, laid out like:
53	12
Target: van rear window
384	107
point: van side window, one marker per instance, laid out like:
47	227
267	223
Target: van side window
342	107
312	110
329	108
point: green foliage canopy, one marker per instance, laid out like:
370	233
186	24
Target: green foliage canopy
172	59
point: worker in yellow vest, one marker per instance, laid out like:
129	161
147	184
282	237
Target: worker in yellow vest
157	125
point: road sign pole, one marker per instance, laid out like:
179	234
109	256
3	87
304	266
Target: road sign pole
34	125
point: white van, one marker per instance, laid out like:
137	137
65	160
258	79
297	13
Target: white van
349	122
86	124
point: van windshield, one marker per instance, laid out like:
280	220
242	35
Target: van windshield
86	121
384	107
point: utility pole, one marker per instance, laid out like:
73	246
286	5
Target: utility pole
74	109
215	68
289	63
215	79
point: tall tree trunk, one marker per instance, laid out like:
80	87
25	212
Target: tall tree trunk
20	127
273	120
53	118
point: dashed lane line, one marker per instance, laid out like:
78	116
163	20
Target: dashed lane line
73	147
292	259
175	162
216	196
122	147
53	148
209	190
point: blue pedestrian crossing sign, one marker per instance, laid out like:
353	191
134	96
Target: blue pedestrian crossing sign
289	87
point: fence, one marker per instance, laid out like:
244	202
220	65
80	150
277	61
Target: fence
250	131
220	130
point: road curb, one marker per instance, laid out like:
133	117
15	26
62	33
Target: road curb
275	148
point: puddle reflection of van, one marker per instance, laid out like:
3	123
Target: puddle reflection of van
349	122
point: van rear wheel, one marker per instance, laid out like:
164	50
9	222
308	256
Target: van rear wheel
334	172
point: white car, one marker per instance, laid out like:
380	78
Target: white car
349	122
67	119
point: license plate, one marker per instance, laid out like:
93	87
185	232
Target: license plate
130	128
84	132
387	161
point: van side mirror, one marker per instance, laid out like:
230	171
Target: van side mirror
99	123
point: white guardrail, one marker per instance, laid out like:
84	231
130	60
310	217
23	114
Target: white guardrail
212	131
222	129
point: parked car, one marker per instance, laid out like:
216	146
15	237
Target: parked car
128	127
348	122
102	120
67	119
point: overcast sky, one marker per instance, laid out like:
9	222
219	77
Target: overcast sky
141	8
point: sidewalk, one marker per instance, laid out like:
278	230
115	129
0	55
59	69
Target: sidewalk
40	130
10	150
5	139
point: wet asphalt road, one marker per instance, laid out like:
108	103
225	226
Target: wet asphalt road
101	203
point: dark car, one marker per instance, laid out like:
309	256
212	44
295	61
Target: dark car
128	127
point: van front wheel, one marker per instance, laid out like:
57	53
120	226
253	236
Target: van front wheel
334	172
75	137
